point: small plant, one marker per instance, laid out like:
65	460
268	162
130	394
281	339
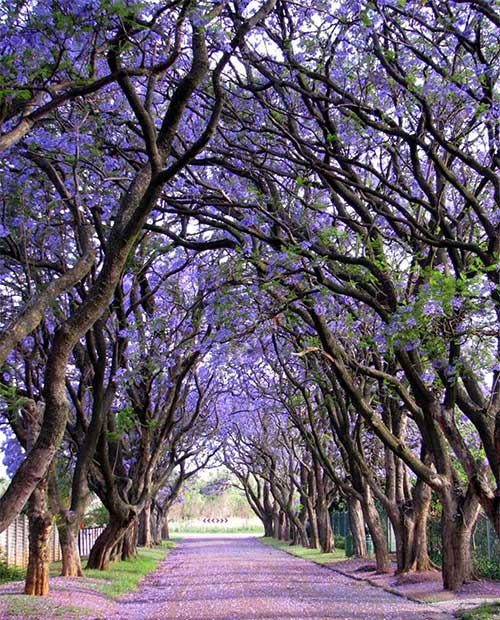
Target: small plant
490	569
11	573
483	612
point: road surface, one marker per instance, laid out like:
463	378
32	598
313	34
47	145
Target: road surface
242	579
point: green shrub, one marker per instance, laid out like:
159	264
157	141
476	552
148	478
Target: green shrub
490	569
340	542
11	573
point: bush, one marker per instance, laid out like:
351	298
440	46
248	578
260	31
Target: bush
490	569
340	542
10	573
96	517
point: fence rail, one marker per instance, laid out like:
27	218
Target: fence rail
14	543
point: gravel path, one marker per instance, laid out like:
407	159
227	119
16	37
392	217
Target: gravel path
231	579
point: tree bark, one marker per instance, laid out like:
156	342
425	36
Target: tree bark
414	524
40	525
325	530
357	527
156	523
267	510
311	509
68	541
457	521
39	517
323	514
284	530
276	521
165	532
101	553
145	534
129	542
377	533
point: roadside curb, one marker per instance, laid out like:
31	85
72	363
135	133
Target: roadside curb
375	584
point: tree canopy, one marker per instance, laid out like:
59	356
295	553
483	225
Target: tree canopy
260	232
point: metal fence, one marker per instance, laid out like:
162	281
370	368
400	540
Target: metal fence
485	542
340	527
14	543
340	523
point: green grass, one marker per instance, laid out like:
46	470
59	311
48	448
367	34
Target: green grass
489	611
218	529
124	576
119	578
314	555
234	526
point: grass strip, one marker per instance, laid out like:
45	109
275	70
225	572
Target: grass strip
315	555
488	611
124	576
215	529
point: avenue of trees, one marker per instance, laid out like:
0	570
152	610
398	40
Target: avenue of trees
262	232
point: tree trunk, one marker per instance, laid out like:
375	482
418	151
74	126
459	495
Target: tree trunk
129	542
457	521
313	529
325	530
357	527
40	525
267	512
311	510
145	535
374	524
283	532
101	552
156	520
416	557
267	522
276	521
165	532
323	514
402	520
68	541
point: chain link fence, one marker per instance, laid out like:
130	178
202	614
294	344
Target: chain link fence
485	546
340	527
485	542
